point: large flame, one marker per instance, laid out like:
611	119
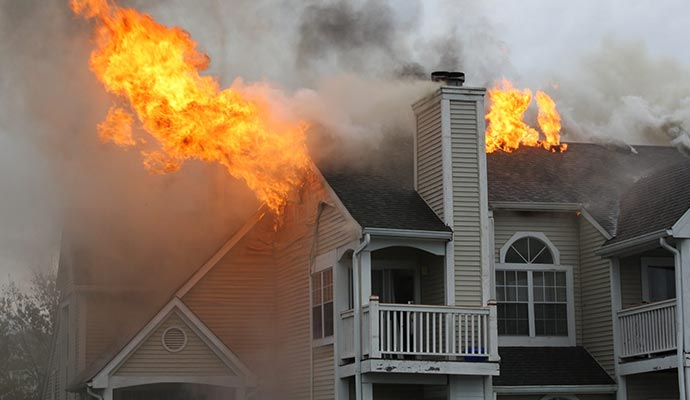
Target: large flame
506	129
157	69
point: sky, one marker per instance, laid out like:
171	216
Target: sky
616	67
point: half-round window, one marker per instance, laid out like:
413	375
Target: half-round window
529	250
174	339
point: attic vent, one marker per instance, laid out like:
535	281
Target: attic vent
174	339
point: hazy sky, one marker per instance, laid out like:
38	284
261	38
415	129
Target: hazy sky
536	42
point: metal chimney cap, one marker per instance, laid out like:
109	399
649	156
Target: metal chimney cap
454	78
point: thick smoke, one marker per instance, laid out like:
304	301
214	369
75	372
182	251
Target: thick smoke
350	68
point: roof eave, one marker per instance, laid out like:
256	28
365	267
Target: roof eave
409	233
625	246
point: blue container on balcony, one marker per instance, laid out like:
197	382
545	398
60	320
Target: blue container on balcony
478	357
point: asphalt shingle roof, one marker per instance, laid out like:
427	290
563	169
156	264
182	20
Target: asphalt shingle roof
549	366
655	202
591	174
376	201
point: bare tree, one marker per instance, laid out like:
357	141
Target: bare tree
26	329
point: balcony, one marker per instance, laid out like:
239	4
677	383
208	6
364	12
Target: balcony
647	330
420	332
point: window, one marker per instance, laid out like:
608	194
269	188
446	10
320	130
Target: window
533	292
322	304
658	279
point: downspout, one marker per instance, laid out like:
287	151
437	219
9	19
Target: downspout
679	316
92	393
358	315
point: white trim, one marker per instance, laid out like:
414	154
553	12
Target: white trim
556	390
558	396
102	378
681	229
409	233
523	234
421	367
485	226
325	261
645	263
201	272
126	381
338	203
648	365
448	215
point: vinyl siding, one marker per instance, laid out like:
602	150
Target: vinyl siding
152	359
653	385
429	158
324	375
595	289
631	284
560	228
465	160
235	299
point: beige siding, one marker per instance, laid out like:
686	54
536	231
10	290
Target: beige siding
324	376
597	326
257	298
152	359
653	385
234	299
560	228
429	158
631	284
466	202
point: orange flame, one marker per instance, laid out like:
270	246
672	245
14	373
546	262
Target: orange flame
157	69
506	129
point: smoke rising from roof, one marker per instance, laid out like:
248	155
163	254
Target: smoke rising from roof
352	68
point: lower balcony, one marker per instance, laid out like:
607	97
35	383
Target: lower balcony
647	338
407	335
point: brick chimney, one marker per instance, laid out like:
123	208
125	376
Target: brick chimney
450	175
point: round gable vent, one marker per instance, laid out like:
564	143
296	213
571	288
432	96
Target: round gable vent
174	339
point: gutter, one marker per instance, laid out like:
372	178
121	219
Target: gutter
407	233
358	315
679	317
93	394
631	244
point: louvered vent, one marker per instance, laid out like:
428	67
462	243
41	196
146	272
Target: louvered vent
174	339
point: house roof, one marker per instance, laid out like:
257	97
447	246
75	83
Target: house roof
593	175
377	201
549	366
655	202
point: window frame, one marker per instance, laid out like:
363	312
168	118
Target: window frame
321	264
532	339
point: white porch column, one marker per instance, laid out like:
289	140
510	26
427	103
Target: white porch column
684	249
342	389
616	305
108	394
463	387
367	391
365	265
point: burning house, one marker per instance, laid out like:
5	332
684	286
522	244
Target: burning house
513	266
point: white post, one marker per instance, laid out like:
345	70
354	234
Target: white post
365	293
493	332
108	394
367	391
374	328
622	393
684	248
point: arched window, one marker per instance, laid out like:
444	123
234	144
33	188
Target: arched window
533	292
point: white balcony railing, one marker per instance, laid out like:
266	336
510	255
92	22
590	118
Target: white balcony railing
417	330
648	329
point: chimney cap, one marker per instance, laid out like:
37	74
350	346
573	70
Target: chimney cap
452	78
